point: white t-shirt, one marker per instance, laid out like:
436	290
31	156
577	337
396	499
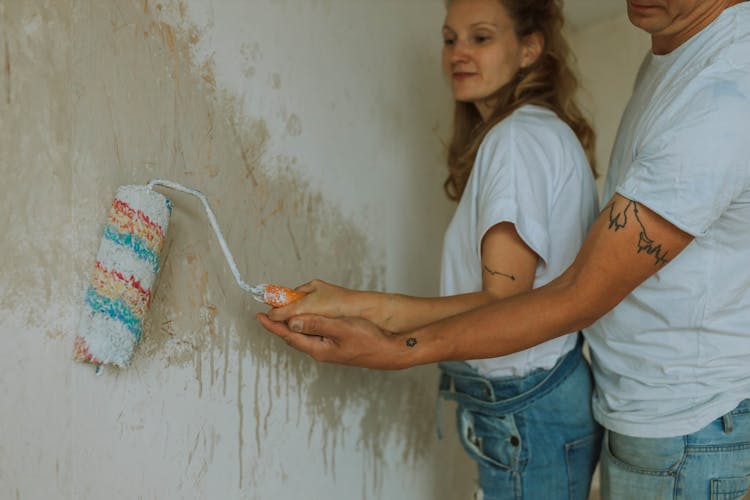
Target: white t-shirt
530	170
675	354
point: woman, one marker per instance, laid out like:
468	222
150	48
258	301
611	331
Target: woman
518	167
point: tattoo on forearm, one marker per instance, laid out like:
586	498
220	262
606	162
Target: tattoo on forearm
411	342
498	273
618	220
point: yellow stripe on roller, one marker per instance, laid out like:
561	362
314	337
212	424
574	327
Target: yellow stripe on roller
114	285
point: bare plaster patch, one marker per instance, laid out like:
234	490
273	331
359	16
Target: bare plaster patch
167	116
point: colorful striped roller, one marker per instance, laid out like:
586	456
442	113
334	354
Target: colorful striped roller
119	293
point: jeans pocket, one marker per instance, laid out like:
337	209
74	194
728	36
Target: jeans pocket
729	488
491	440
581	456
622	479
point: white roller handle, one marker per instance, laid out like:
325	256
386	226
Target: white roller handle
215	225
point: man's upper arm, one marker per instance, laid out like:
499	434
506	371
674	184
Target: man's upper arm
627	244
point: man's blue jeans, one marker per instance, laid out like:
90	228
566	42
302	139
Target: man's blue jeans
533	437
712	463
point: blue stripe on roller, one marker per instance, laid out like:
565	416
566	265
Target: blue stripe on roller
136	244
116	309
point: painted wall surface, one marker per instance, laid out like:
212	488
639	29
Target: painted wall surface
609	54
314	129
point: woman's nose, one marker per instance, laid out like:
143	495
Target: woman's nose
460	51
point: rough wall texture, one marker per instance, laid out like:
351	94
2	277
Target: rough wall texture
97	94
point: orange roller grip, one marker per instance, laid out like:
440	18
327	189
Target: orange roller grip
279	296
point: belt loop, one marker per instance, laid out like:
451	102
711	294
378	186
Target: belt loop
444	377
728	423
489	390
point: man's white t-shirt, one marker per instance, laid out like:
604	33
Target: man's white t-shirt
531	171
675	354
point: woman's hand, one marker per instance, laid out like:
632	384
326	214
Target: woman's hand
323	299
344	341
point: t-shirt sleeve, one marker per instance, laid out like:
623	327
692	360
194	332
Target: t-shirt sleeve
697	160
512	186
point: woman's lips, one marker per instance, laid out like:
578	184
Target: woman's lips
460	76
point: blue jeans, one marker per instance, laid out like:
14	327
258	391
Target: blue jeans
532	437
712	463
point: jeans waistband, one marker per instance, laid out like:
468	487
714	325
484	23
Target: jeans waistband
505	395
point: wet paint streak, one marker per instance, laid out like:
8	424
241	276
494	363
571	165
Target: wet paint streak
269	391
227	350
256	407
7	70
212	364
198	364
241	415
294	241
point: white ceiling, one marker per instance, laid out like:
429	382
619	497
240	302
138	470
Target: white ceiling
581	13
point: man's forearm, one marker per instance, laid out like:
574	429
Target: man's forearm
499	328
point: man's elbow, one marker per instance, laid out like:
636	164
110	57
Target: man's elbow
586	300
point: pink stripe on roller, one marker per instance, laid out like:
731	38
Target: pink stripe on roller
81	351
133	221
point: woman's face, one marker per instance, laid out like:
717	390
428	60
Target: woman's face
481	52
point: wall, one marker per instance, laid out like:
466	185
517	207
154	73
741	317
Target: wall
609	54
314	129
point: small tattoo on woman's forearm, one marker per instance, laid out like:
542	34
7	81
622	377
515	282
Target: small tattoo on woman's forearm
411	342
498	273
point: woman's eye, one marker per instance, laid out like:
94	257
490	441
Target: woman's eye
481	39
449	41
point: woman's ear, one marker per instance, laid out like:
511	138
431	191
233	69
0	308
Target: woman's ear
531	48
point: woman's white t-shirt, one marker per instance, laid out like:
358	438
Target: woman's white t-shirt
531	171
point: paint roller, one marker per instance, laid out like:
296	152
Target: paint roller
127	264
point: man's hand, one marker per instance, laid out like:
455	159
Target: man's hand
345	341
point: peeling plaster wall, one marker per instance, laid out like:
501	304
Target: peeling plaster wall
314	129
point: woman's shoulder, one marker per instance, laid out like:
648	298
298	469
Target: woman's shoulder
531	123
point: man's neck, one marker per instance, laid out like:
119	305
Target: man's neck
697	22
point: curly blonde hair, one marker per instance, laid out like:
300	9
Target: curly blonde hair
548	82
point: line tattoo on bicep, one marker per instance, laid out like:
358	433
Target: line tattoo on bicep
618	220
498	273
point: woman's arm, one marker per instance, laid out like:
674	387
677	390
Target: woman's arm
508	268
627	244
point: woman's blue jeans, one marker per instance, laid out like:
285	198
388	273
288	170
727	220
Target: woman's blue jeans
712	463
533	437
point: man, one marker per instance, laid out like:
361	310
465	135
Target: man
661	284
